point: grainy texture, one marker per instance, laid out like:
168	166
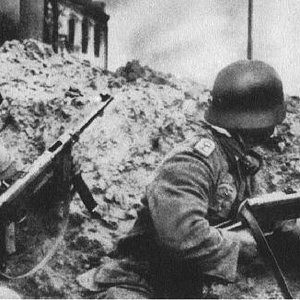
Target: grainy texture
45	94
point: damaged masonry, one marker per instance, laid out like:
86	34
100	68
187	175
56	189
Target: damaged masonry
46	94
76	26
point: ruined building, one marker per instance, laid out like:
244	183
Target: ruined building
78	26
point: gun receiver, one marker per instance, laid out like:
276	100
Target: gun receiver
274	207
268	209
261	214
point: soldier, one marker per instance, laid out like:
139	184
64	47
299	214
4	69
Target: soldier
9	169
8	173
173	247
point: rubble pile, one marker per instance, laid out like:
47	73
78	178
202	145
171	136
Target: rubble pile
133	71
45	94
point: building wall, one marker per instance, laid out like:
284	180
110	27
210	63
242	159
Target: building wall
11	8
31	19
83	35
9	19
82	30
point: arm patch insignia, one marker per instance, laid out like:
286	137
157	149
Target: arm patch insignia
205	147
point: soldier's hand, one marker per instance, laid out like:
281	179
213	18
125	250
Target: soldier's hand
248	247
76	165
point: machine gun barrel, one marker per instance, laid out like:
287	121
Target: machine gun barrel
90	119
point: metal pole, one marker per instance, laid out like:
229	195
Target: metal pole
250	41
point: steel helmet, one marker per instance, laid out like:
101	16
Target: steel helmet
246	95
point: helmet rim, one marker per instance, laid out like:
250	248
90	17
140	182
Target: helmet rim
247	119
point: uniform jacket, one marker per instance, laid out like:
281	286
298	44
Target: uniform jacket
193	189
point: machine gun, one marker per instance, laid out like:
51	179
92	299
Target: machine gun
268	209
34	210
261	214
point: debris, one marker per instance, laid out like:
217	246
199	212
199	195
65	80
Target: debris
45	94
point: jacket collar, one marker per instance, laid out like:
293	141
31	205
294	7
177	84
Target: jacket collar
219	129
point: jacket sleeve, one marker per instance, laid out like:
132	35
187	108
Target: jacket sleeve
178	200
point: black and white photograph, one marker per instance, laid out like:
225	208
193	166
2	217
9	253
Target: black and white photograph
149	149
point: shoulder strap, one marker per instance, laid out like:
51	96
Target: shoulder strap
265	249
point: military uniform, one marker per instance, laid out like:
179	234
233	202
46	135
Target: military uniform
8	166
173	245
9	169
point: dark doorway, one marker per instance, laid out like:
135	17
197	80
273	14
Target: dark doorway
85	35
51	23
71	35
97	36
8	29
48	22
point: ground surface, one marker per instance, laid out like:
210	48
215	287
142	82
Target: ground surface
45	94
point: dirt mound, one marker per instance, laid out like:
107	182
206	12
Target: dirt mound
133	71
45	94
